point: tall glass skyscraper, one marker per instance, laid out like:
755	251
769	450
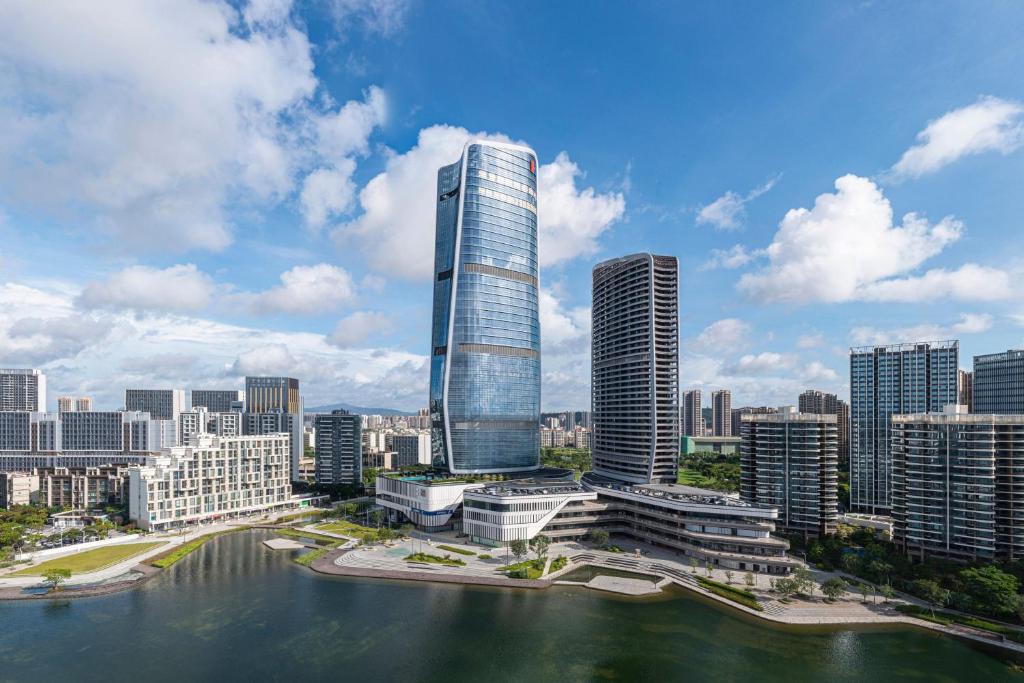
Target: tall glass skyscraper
485	355
901	379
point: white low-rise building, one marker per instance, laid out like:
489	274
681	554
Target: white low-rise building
211	478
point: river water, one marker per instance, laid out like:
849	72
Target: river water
235	611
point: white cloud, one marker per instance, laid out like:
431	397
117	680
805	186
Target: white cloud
177	288
735	257
385	17
570	220
396	228
100	352
723	336
816	371
560	327
847	248
766	363
306	289
728	211
970	282
154	124
969	323
355	328
327	192
810	341
990	124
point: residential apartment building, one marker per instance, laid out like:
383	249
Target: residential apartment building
275	396
22	389
339	445
737	414
957	488
965	389
74	404
82	488
892	380
692	418
411	449
721	413
635	368
18	488
998	383
485	341
219	400
817	402
788	461
213	478
161	404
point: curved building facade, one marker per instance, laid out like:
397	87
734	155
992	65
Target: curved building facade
635	368
485	355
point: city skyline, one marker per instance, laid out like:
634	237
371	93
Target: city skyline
284	244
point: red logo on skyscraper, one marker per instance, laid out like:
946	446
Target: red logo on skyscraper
533	165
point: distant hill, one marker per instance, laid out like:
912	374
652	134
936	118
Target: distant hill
357	410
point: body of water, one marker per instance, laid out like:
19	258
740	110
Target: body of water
235	611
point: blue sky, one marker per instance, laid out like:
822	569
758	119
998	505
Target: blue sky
193	191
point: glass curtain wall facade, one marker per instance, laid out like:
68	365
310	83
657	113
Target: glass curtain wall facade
485	343
998	383
902	379
635	368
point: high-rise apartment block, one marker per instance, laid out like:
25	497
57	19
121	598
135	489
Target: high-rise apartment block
275	396
22	389
957	488
485	348
965	389
220	400
721	412
885	381
998	383
821	403
74	404
339	448
738	413
692	420
411	449
635	368
161	404
788	461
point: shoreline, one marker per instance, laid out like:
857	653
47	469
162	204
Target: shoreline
325	566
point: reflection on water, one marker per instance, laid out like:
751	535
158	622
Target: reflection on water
235	611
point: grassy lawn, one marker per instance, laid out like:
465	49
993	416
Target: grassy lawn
90	560
351	529
453	549
738	595
165	560
435	559
309	513
318	538
530	569
689	477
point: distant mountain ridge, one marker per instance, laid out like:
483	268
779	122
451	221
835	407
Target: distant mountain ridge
358	410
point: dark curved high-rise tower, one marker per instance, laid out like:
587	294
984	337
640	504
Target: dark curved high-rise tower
485	355
635	368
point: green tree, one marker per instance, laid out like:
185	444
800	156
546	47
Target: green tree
851	564
598	537
865	591
56	576
540	545
991	590
518	548
887	592
693	565
802	581
932	593
376	517
728	576
833	588
749	579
